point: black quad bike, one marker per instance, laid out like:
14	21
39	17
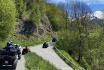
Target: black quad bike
45	45
8	60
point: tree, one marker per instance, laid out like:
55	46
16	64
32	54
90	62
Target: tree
80	15
8	18
56	16
38	12
21	7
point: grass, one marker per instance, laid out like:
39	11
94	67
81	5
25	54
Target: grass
69	60
34	62
23	41
29	41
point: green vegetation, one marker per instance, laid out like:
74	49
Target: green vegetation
7	20
83	39
29	41
20	7
56	16
34	62
36	22
30	22
68	59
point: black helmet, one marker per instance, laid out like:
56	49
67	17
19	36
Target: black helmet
9	43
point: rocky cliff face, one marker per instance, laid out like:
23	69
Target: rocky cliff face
28	27
39	18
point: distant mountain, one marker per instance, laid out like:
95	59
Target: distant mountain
99	14
96	20
96	16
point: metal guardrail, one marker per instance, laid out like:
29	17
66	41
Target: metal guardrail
66	59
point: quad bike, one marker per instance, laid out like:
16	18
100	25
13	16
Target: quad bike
8	60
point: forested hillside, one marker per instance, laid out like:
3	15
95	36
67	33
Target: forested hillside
7	20
82	37
33	21
29	22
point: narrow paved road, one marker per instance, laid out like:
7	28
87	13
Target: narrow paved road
50	55
21	63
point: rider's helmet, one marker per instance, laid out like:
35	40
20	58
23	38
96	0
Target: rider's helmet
9	43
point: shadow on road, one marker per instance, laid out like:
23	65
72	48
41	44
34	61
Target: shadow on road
7	69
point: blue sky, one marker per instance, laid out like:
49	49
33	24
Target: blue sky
95	5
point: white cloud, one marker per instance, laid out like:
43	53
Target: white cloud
99	14
93	1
